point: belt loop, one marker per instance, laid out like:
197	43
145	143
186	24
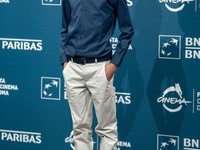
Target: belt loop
72	59
96	60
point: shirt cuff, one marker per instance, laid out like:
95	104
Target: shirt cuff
116	59
64	58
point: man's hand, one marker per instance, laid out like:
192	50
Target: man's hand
110	70
65	64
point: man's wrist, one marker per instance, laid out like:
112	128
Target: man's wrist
114	65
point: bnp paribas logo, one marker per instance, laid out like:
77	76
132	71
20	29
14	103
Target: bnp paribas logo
167	142
51	2
50	88
169	47
176	5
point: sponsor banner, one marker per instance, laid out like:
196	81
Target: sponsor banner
172	99
5	88
50	88
172	142
169	47
165	142
20	136
21	44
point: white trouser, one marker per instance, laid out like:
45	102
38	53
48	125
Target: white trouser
87	85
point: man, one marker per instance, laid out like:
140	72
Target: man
89	66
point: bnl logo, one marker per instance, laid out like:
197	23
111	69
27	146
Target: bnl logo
169	47
51	2
50	88
166	142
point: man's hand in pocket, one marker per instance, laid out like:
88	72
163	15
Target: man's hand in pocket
110	70
65	64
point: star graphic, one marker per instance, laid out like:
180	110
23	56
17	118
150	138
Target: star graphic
164	144
174	41
166	44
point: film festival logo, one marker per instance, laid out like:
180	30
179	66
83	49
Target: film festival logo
50	88
172	99
5	88
169	47
177	5
165	142
51	2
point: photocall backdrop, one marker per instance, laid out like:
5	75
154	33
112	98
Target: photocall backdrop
157	85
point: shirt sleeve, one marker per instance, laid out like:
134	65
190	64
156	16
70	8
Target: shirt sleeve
66	17
127	31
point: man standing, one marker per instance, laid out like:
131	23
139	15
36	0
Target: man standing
89	66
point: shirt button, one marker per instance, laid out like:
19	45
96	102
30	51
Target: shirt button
81	24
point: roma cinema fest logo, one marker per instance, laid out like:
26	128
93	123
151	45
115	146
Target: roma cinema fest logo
173	103
175	5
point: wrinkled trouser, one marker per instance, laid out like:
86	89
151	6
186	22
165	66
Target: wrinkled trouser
87	85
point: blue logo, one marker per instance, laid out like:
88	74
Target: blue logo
166	142
169	47
50	88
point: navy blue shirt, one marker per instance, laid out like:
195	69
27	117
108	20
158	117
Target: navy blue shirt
87	26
